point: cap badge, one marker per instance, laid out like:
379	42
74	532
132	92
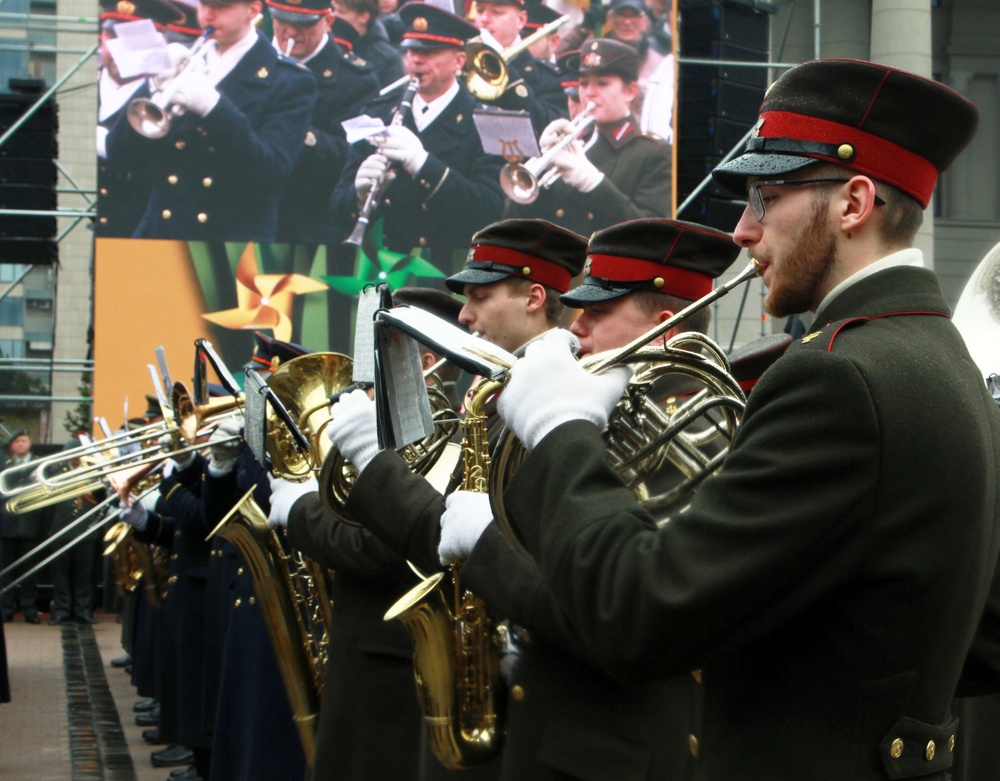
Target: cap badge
420	24
526	271
125	7
592	60
262	73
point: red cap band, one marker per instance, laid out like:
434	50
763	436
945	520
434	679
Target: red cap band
676	281
873	155
436	39
299	10
539	270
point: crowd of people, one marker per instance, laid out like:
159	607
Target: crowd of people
242	138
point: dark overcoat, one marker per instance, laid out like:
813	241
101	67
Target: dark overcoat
830	579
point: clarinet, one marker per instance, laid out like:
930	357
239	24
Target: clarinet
375	193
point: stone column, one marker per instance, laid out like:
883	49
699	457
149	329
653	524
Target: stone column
901	38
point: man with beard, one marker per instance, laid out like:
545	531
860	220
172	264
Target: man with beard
829	581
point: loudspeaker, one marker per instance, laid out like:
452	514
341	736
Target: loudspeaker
718	104
28	174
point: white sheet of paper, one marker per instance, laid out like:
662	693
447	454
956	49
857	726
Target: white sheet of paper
139	49
360	128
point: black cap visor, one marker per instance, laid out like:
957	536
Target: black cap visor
473	276
734	174
591	291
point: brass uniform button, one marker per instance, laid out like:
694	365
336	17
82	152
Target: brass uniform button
526	271
517	692
658	283
590	215
103	220
693	745
896	749
238	602
239	570
104	191
172	579
845	151
696	674
560	212
929	751
166	214
202	217
173	557
172	179
252	600
177	533
422	241
207	181
951	743
179	144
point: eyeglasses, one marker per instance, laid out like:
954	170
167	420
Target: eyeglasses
756	200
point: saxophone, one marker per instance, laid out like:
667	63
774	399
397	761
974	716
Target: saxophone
456	662
294	598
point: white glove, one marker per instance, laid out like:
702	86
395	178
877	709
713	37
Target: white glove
403	146
284	494
194	93
465	518
353	428
168	443
553	134
548	387
577	171
372	169
224	445
134	514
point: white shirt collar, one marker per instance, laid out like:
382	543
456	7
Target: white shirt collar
220	65
905	257
424	113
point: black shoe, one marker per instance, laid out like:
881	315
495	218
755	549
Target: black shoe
153	737
172	756
187	774
144	705
32	619
128	670
122	661
148	719
86	618
57	620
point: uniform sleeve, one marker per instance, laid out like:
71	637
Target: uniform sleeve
759	543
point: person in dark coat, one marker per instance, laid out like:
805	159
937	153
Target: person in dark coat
373	43
218	172
829	581
20	532
613	172
445	187
309	34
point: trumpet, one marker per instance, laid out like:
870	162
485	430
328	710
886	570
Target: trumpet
486	73
151	117
523	181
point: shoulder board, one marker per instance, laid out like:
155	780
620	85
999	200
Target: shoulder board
360	63
825	337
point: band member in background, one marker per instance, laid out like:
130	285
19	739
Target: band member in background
20	533
443	186
370	720
802	575
534	83
540	15
373	44
614	173
218	171
345	83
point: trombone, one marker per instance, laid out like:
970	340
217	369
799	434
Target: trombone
523	181
486	71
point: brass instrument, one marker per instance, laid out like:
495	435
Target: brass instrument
643	437
137	563
523	181
293	595
486	73
375	193
456	662
151	117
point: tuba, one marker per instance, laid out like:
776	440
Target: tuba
662	444
456	662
